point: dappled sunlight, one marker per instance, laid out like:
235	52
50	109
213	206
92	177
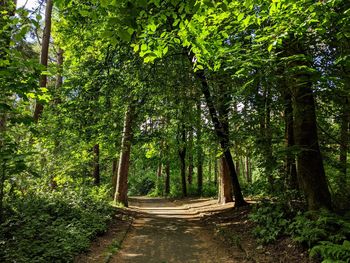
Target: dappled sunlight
185	209
172	231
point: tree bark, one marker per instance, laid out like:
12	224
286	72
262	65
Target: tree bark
121	192
225	191
223	139
96	164
39	107
310	168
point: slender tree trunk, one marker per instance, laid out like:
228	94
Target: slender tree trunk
223	139
96	164
210	169
344	142
121	193
44	55
190	157
167	178
159	178
225	183
248	170
290	166
215	171
199	150
182	156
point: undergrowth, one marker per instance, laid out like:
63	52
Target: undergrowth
52	226
324	233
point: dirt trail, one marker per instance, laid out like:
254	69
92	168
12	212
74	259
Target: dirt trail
165	231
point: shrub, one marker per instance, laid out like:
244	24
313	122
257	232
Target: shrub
271	222
52	226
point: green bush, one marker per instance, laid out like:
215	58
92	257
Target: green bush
326	234
52	227
271	222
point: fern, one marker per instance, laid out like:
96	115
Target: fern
331	252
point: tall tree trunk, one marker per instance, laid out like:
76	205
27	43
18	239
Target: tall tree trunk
344	142
310	168
167	178
96	164
199	150
225	190
248	170
182	156
114	175
190	157
44	55
215	171
159	178
290	166
223	139
210	169
121	192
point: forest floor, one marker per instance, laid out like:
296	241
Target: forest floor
187	230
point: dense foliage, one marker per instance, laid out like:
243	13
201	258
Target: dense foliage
173	98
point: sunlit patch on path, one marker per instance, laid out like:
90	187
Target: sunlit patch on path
166	231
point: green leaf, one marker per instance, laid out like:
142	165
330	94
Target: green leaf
124	35
240	17
144	47
165	50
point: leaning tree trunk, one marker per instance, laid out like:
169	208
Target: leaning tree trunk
310	168
39	107
121	192
223	139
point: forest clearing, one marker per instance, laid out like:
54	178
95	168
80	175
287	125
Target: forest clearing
174	131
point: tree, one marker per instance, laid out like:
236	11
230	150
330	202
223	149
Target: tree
39	107
121	193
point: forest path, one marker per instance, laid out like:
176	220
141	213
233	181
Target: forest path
165	231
